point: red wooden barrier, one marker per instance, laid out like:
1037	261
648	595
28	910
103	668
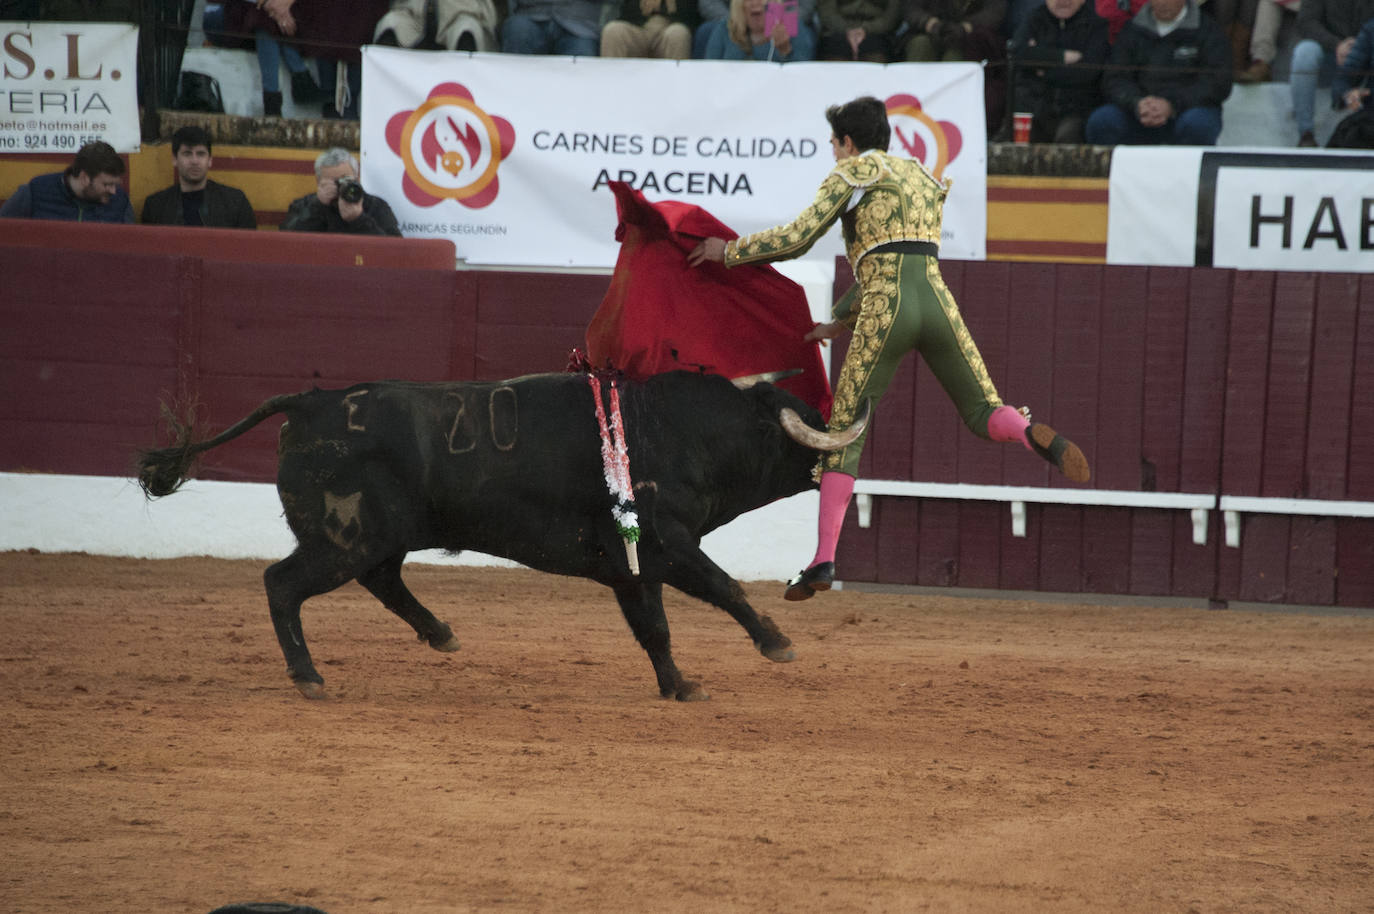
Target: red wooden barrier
234	245
1173	380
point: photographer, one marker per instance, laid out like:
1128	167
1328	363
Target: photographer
338	203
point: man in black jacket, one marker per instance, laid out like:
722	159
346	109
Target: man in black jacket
1170	72
194	199
339	203
1059	52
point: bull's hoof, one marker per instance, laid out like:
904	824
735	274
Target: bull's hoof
692	691
448	646
312	690
779	654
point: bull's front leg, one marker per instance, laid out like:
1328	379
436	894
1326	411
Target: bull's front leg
642	605
693	573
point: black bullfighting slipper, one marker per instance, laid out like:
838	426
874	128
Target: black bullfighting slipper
810	582
1059	451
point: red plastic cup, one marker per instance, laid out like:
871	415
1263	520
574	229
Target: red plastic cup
1020	126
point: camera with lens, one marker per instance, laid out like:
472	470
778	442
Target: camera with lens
350	191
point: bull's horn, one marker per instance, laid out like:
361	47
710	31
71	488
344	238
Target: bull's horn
772	377
802	433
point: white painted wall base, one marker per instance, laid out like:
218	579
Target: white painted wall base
106	515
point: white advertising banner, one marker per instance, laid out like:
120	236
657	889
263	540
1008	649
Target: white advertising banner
509	155
1249	209
65	84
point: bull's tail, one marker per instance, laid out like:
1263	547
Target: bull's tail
163	470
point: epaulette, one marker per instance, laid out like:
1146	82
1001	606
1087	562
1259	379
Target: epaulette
861	171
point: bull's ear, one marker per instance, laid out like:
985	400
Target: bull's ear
770	377
802	433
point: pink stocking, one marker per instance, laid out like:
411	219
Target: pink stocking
1007	424
835	491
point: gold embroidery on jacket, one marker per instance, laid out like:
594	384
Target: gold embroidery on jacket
883	214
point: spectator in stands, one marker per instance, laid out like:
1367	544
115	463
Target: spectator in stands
333	33
1327	30
1264	40
1017	12
890	209
568	27
1350	92
1059	52
963	30
746	37
1170	70
713	14
460	25
1235	17
339	203
858	29
194	199
88	191
273	27
1118	13
651	28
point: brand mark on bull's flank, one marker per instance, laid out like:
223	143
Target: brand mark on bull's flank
342	522
352	408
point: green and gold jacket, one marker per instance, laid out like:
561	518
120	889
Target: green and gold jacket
899	201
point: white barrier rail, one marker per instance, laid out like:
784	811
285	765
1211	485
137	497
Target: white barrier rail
1198	503
1232	506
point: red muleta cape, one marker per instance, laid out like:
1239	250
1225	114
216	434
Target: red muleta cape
662	315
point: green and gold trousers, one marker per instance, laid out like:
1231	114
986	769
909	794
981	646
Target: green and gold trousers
904	304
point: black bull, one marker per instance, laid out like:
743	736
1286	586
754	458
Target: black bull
514	469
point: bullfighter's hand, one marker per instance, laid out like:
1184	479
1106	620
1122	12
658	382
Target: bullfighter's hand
712	249
1354	99
822	332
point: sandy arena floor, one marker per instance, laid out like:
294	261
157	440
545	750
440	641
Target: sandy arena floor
922	754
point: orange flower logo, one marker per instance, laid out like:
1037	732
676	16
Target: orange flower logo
935	143
451	148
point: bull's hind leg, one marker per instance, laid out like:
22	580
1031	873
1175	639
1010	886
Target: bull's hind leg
384	582
642	604
291	582
693	573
